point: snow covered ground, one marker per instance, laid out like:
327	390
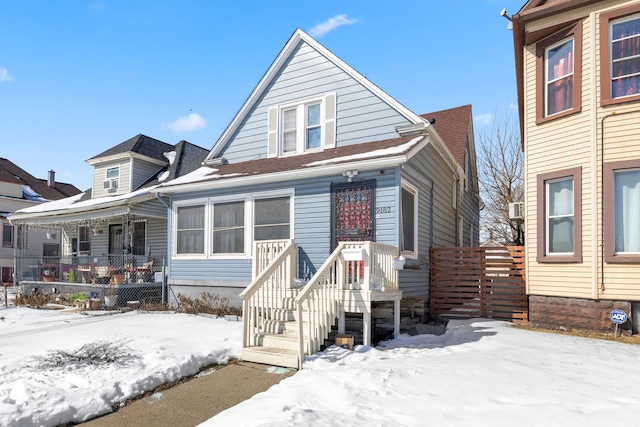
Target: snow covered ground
479	373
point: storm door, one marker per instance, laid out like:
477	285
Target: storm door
352	212
116	239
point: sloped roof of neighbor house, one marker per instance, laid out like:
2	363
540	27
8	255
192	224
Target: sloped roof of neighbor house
453	127
12	173
139	144
184	158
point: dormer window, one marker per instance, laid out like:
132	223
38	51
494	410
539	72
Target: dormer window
112	177
302	126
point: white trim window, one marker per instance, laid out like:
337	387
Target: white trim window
112	178
84	241
560	216
190	226
225	227
409	226
272	218
302	126
228	228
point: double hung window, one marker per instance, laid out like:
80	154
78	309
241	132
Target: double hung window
409	208
620	55
190	230
560	216
228	228
621	207
84	241
7	236
303	126
272	218
559	69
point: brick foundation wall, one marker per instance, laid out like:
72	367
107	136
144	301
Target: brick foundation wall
576	313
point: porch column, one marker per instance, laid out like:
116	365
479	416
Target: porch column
396	318
366	326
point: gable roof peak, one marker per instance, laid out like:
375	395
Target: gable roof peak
276	66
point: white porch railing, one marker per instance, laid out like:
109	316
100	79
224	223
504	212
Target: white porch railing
274	269
351	266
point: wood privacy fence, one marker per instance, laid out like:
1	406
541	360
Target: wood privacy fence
479	282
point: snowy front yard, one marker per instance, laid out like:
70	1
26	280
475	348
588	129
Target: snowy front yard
479	373
151	349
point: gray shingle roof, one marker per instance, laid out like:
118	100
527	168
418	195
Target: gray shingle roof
140	144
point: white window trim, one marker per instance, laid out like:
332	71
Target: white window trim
301	126
209	203
413	189
547	217
327	125
174	228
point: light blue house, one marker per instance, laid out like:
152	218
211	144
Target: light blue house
324	179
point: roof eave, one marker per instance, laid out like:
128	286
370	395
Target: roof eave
302	173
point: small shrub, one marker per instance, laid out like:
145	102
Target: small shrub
33	300
155	307
94	353
208	304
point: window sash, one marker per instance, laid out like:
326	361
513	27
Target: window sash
272	218
559	216
559	66
84	241
289	130
190	229
314	130
624	48
408	220
228	228
7	236
626	205
113	173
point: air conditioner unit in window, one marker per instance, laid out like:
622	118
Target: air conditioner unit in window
516	210
111	184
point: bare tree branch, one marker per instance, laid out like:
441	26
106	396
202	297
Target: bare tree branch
500	172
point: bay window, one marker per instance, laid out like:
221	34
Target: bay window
620	55
560	216
621	207
558	68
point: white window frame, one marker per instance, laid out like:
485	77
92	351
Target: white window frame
80	241
301	109
549	217
115	178
174	228
414	190
249	223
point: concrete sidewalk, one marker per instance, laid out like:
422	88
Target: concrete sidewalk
192	402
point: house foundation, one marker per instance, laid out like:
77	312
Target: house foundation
577	313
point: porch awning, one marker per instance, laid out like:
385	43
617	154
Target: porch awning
89	216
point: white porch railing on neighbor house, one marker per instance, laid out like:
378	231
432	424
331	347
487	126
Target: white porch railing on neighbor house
274	268
352	266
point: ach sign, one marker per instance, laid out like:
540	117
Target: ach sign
618	317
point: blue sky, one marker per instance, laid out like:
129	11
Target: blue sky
78	77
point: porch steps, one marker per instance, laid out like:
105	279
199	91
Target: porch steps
271	356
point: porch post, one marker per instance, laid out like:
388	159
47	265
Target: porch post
366	326
341	322
396	318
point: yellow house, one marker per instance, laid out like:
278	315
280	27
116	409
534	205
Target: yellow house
578	78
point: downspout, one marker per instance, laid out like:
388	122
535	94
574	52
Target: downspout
613	113
165	267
